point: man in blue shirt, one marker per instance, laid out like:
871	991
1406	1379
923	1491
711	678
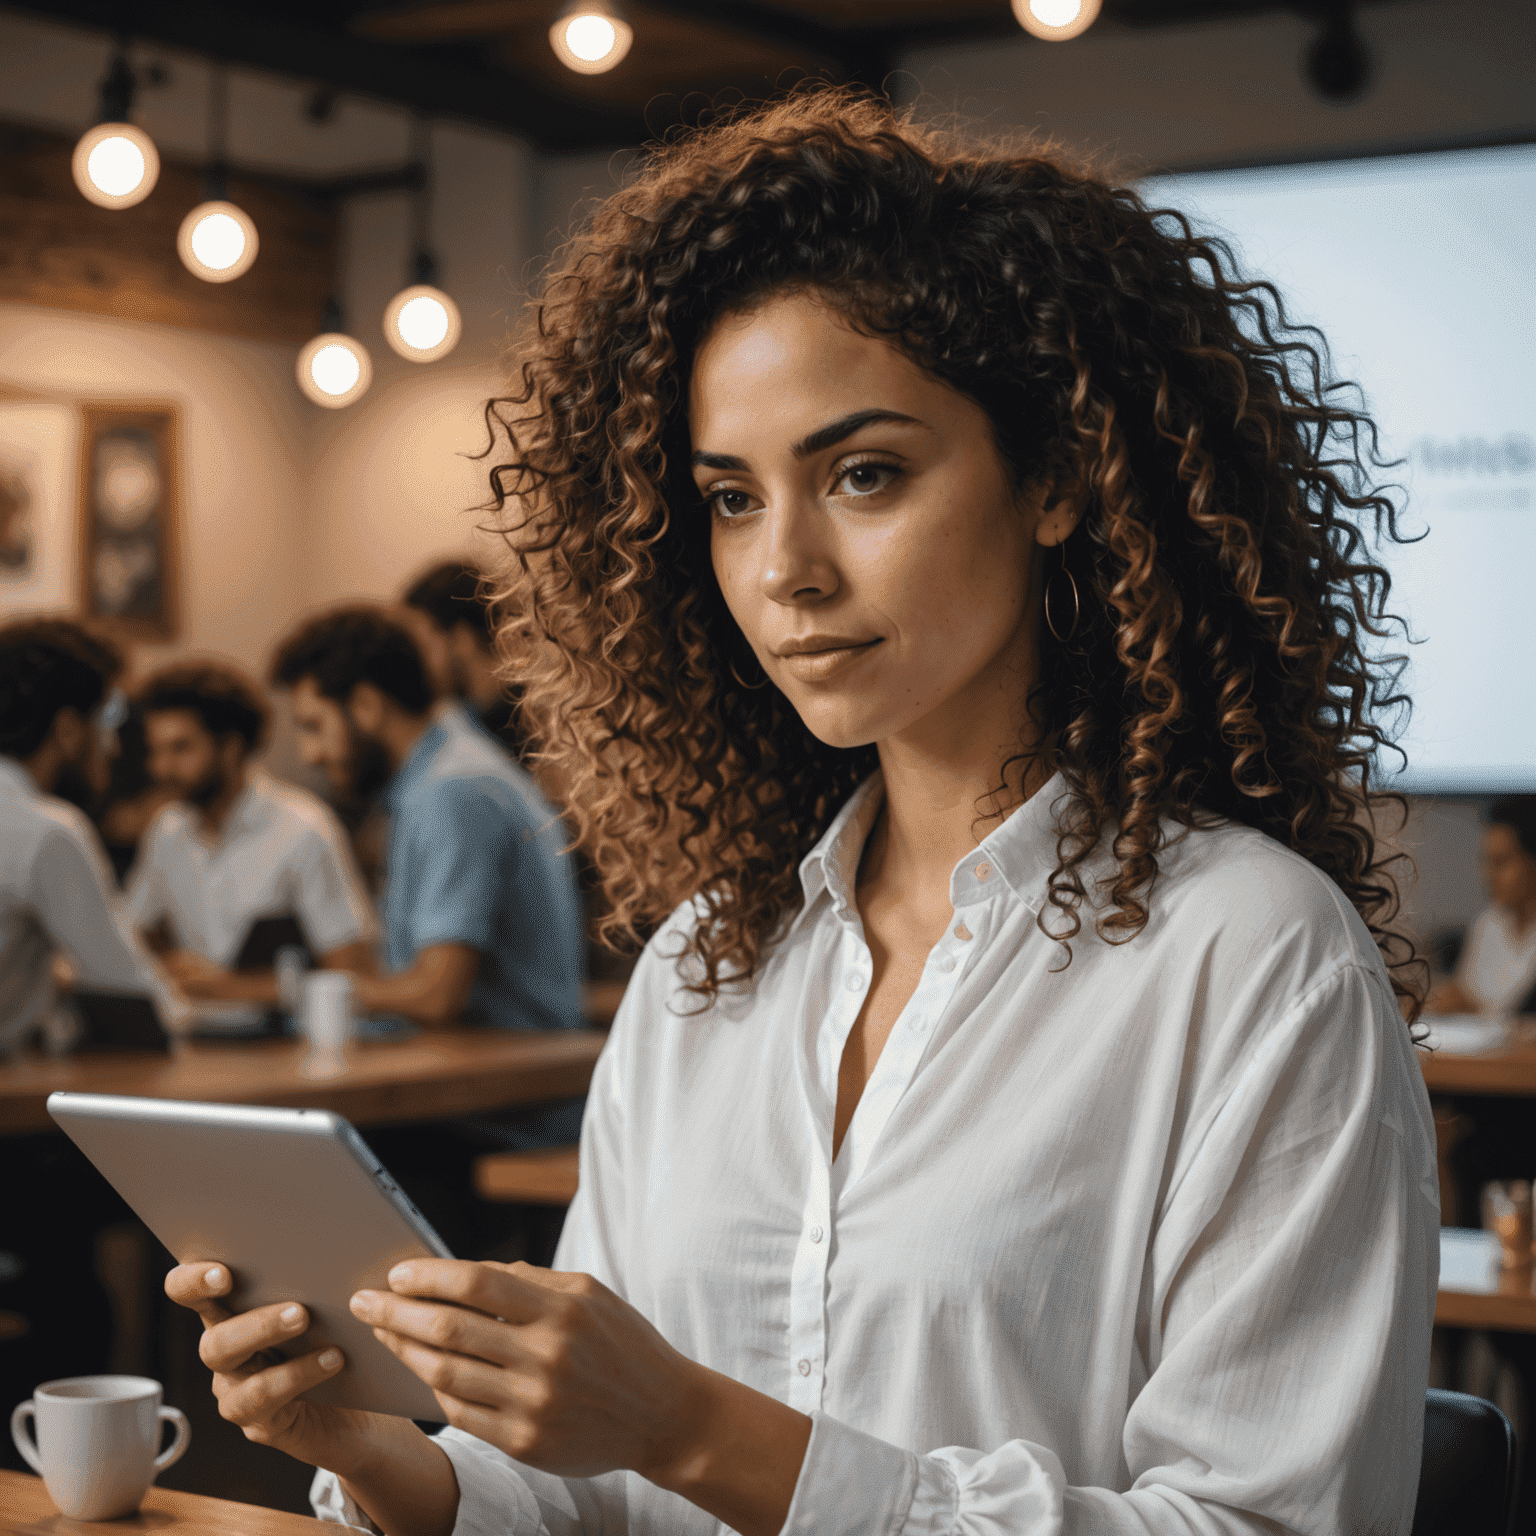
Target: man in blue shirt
482	920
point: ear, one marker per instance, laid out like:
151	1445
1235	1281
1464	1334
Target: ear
1059	515
68	732
366	708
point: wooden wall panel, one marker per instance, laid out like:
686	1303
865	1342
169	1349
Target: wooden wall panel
59	250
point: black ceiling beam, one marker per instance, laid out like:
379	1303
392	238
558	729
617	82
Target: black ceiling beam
408	76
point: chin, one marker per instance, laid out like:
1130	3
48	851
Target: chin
845	726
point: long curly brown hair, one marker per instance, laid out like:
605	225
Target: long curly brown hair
1221	665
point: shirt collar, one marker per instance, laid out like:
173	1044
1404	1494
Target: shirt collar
415	765
1017	856
15	780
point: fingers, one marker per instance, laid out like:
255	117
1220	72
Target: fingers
196	1286
231	1345
460	1330
254	1402
452	1375
511	1293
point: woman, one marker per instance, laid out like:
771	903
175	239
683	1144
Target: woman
949	591
1497	972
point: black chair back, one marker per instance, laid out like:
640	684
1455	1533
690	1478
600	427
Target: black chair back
1467	1478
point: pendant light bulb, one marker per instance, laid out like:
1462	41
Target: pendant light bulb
1056	20
217	241
422	323
591	36
334	370
115	165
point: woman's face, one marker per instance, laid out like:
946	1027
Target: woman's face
864	532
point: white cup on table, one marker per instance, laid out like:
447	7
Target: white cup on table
97	1438
327	1021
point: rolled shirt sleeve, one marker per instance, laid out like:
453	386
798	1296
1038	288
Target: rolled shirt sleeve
332	907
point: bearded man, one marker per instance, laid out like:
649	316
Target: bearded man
236	845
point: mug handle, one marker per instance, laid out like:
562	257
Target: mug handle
24	1442
177	1448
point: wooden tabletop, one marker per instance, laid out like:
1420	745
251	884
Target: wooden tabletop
1510	1070
1475	1292
26	1510
452	1072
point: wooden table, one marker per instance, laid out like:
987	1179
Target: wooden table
26	1510
433	1076
1510	1071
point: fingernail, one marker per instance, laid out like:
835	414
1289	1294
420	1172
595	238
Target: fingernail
330	1360
401	1274
292	1316
362	1304
214	1277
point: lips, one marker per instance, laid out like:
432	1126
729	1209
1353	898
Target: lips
831	655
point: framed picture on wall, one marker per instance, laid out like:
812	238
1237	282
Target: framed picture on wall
130	513
38	451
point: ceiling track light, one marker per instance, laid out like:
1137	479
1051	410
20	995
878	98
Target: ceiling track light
116	164
217	241
422	323
1056	21
591	36
334	369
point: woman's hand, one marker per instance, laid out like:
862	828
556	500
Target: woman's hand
259	1391
553	1368
563	1375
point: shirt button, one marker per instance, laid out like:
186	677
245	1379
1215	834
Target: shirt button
946	963
816	1234
916	1022
804	1367
962	932
983	871
855	983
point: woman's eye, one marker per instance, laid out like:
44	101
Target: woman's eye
865	479
729	503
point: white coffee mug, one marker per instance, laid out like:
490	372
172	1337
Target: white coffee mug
96	1442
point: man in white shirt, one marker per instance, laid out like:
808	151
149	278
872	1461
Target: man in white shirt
237	845
57	897
58	902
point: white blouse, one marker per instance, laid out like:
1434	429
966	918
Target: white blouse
1143	1243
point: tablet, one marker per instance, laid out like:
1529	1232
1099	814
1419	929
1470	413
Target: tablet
290	1200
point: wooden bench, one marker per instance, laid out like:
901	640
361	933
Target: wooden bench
544	1177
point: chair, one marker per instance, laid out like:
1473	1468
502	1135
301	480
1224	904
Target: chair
1467	1478
544	1177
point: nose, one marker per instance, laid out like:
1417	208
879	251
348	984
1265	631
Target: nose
797	564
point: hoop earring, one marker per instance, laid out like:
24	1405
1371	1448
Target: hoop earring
1077	608
741	682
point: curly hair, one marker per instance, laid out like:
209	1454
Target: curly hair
223	699
1222	665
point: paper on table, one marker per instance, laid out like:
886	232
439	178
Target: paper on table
1469	1260
1468	1034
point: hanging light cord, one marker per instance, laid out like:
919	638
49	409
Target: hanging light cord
217	178
423	263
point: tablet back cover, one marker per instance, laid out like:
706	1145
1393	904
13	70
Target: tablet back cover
289	1200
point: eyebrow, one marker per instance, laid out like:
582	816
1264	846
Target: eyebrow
816	442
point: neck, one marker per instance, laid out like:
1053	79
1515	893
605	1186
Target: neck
42	767
399	734
945	784
216	812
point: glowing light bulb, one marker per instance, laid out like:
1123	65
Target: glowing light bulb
591	37
217	242
1056	20
334	370
116	165
422	323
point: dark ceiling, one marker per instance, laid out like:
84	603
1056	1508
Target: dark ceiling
490	62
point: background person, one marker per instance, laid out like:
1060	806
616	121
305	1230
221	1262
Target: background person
237	845
482	925
452	596
1496	971
58	902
